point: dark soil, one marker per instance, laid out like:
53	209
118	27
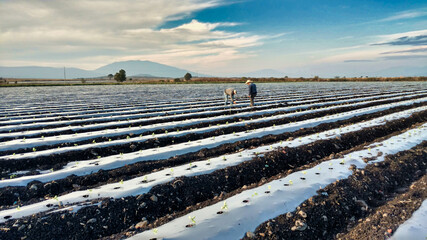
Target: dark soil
166	201
340	205
144	122
154	111
57	161
389	216
10	195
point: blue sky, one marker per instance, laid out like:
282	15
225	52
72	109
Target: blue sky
226	38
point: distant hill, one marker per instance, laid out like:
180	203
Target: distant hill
264	73
135	68
132	68
406	71
46	72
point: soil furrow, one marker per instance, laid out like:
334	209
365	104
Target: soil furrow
384	220
342	204
175	118
166	201
58	160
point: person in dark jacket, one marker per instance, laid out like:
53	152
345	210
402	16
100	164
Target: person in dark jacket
252	91
230	92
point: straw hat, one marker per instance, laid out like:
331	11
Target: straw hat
249	81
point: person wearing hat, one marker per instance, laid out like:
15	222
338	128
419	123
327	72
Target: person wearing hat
252	91
229	92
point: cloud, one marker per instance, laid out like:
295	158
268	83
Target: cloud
358	61
404	57
390	45
412	50
406	15
415	38
407	40
89	34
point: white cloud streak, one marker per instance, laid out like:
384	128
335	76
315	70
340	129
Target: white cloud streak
406	15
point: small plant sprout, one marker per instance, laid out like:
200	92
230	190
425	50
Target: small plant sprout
128	137
330	164
18	208
121	181
223	158
304	172
171	170
271	147
155	230
342	161
98	157
153	134
77	163
56	198
34	149
51	170
369	149
290	182
269	187
145	178
166	131
255	194
75	144
193	220
90	190
93	141
42	137
224	207
14	154
12	176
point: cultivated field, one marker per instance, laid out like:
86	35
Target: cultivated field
309	161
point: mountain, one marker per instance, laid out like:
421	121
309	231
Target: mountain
46	72
406	71
144	68
133	68
264	73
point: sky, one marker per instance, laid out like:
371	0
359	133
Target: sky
219	37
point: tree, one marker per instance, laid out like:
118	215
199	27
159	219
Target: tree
110	76
120	76
187	76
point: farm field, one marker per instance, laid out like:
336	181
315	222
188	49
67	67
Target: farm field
309	161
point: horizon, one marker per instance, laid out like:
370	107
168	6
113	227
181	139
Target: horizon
218	37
